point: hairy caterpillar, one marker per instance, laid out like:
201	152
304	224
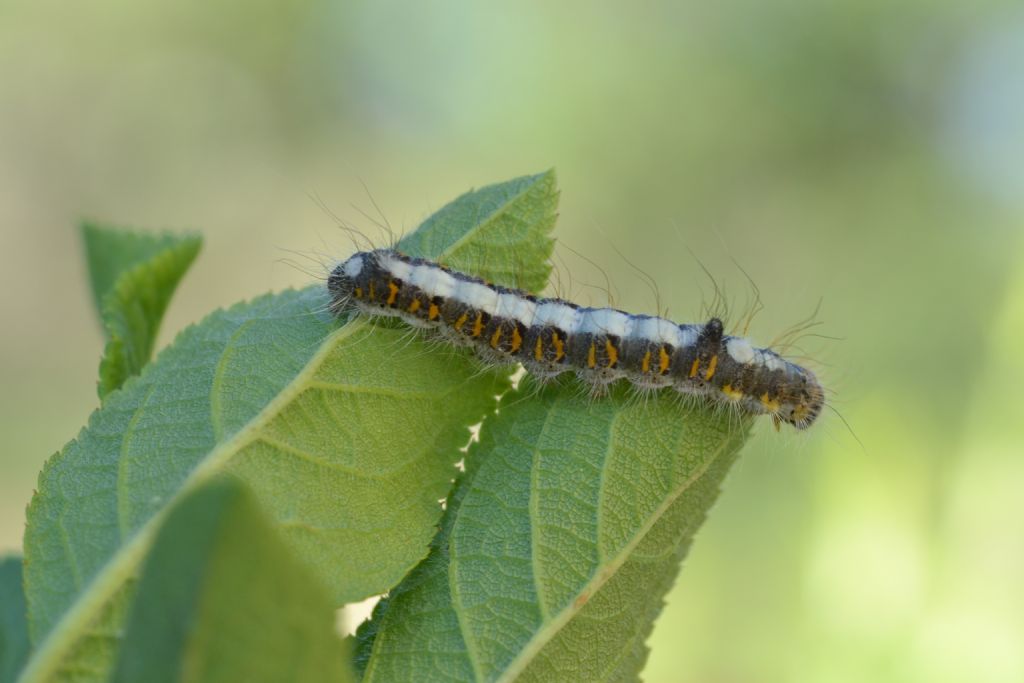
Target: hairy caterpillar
552	336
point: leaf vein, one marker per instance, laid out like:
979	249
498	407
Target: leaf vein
122	459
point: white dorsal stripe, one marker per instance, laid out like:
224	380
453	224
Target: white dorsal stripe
436	282
516	307
433	281
477	296
649	328
399	269
604	321
740	350
661	331
557	314
686	335
770	360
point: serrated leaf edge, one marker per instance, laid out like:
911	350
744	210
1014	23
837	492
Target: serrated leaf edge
188	248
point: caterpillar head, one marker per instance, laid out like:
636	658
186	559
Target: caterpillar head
342	281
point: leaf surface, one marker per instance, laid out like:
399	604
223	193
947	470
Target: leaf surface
559	543
504	247
133	277
346	433
221	599
13	626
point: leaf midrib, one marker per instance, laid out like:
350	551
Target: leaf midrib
118	568
549	630
497	213
126	439
471	647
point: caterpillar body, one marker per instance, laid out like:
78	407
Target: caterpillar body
601	345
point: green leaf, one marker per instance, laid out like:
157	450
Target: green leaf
221	599
559	543
133	277
13	627
346	433
505	251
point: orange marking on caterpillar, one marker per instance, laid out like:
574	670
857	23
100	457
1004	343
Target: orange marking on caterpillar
694	367
415	305
478	325
393	290
645	364
712	366
517	339
461	321
538	350
732	394
664	360
612	352
496	338
770	404
559	346
592	355
433	312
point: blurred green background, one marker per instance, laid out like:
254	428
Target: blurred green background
866	153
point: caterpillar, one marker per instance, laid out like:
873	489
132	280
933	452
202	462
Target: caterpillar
550	336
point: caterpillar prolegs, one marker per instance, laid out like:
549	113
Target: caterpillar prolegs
552	336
